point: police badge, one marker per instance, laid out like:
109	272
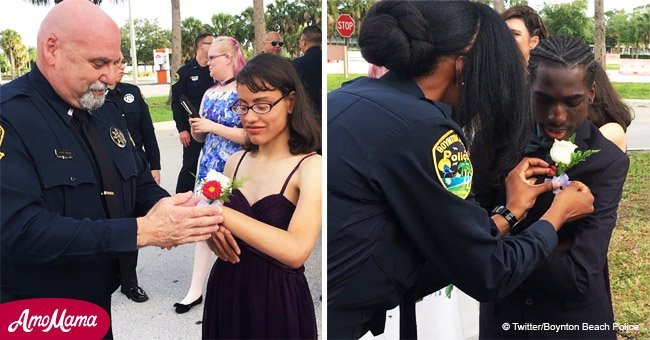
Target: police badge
118	137
129	98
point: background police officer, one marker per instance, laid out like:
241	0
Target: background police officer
193	80
71	185
130	103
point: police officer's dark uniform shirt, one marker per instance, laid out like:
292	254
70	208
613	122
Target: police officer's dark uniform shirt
310	70
193	81
135	110
398	178
56	240
572	287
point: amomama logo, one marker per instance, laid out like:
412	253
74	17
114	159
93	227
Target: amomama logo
52	318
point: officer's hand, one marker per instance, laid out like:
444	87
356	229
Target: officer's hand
172	221
574	202
521	192
184	136
156	176
202	125
224	245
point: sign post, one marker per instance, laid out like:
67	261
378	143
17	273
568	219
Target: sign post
345	27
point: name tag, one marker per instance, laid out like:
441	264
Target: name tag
63	154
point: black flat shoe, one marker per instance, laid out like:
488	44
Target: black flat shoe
136	294
181	308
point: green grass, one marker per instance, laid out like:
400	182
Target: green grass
625	90
160	111
334	81
633	90
611	67
629	253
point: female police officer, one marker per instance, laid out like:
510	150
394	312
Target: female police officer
398	221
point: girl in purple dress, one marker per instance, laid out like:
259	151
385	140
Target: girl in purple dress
257	288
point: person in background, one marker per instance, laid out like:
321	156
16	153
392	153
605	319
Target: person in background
608	112
310	66
570	287
191	80
272	43
257	288
75	194
219	127
526	26
131	105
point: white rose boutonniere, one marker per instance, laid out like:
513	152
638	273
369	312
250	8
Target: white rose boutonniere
561	151
564	154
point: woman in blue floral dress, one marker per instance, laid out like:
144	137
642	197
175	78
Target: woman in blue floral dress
221	130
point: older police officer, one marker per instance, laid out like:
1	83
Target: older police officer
399	224
71	182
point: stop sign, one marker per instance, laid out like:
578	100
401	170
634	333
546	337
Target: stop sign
345	25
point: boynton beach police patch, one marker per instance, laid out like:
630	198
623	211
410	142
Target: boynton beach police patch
452	165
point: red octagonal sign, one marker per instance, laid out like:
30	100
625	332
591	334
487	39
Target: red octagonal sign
345	25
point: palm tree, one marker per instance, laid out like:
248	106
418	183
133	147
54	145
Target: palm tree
499	6
177	51
13	48
259	23
599	34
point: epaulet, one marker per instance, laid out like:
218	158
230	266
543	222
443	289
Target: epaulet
13	90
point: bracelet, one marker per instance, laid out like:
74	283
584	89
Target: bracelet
509	216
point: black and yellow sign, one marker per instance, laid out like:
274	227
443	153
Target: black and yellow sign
452	164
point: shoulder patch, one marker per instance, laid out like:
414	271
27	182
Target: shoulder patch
176	78
452	165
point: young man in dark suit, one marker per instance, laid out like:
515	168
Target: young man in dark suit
571	289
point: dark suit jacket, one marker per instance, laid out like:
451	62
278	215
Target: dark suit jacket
571	287
310	70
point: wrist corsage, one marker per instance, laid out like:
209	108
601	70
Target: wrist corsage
564	155
215	188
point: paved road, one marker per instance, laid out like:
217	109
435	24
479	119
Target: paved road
165	275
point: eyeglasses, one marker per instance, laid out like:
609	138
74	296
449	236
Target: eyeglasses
260	108
274	43
212	57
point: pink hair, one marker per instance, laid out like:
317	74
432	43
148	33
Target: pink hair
232	46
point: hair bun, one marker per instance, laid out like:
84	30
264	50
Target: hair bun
394	34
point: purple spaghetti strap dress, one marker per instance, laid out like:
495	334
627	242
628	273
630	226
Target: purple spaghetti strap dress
259	297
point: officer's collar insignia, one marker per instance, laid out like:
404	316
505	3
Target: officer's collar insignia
452	164
118	137
63	154
129	98
194	78
2	137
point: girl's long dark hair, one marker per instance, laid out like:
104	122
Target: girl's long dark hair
267	72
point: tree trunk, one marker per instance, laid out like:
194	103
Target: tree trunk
12	62
498	6
599	34
176	41
259	23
